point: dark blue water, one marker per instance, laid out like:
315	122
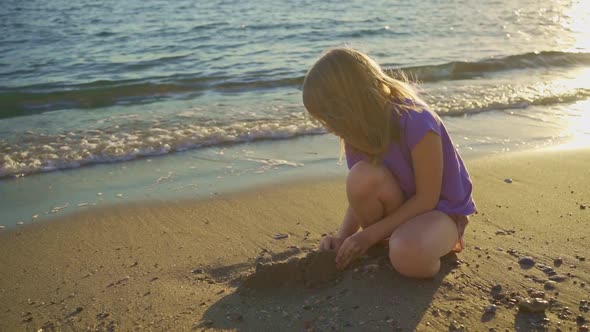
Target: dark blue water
87	82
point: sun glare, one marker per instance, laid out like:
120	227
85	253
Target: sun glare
576	18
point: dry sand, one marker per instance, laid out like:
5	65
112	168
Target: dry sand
184	265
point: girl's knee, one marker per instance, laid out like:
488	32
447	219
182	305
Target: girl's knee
363	179
366	180
411	258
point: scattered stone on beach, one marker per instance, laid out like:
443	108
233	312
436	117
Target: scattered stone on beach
280	236
583	328
526	261
582	259
2	226
580	320
534	305
550	285
456	327
536	294
583	206
20	223
83	204
490	310
98	194
35	216
102	315
120	195
512	252
508	180
558	278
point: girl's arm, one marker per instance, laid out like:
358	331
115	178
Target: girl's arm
427	161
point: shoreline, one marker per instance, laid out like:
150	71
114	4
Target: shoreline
179	264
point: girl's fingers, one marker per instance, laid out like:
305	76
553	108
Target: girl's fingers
343	257
341	253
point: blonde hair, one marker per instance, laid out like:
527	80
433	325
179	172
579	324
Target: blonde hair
351	96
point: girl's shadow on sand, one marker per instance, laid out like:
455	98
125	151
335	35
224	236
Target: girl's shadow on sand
307	292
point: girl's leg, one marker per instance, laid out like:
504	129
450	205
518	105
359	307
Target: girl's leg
373	192
416	246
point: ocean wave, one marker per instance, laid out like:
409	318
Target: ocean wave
133	136
34	152
39	98
466	70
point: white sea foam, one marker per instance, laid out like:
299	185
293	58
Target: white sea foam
42	153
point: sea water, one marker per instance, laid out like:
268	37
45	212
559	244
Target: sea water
155	99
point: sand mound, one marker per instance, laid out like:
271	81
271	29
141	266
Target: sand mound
313	270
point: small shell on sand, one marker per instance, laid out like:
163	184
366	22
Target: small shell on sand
280	236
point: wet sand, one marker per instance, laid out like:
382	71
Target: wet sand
245	262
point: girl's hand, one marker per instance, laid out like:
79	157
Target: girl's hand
352	248
330	243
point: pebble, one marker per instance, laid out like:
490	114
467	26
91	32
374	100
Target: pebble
537	294
550	285
582	206
508	180
580	320
526	261
120	195
280	236
512	252
558	278
20	223
490	310
583	328
533	305
2	226
558	261
456	327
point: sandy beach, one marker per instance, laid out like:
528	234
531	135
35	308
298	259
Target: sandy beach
192	265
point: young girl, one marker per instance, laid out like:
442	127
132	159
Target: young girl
406	181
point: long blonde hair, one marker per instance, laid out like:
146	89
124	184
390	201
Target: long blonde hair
351	96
